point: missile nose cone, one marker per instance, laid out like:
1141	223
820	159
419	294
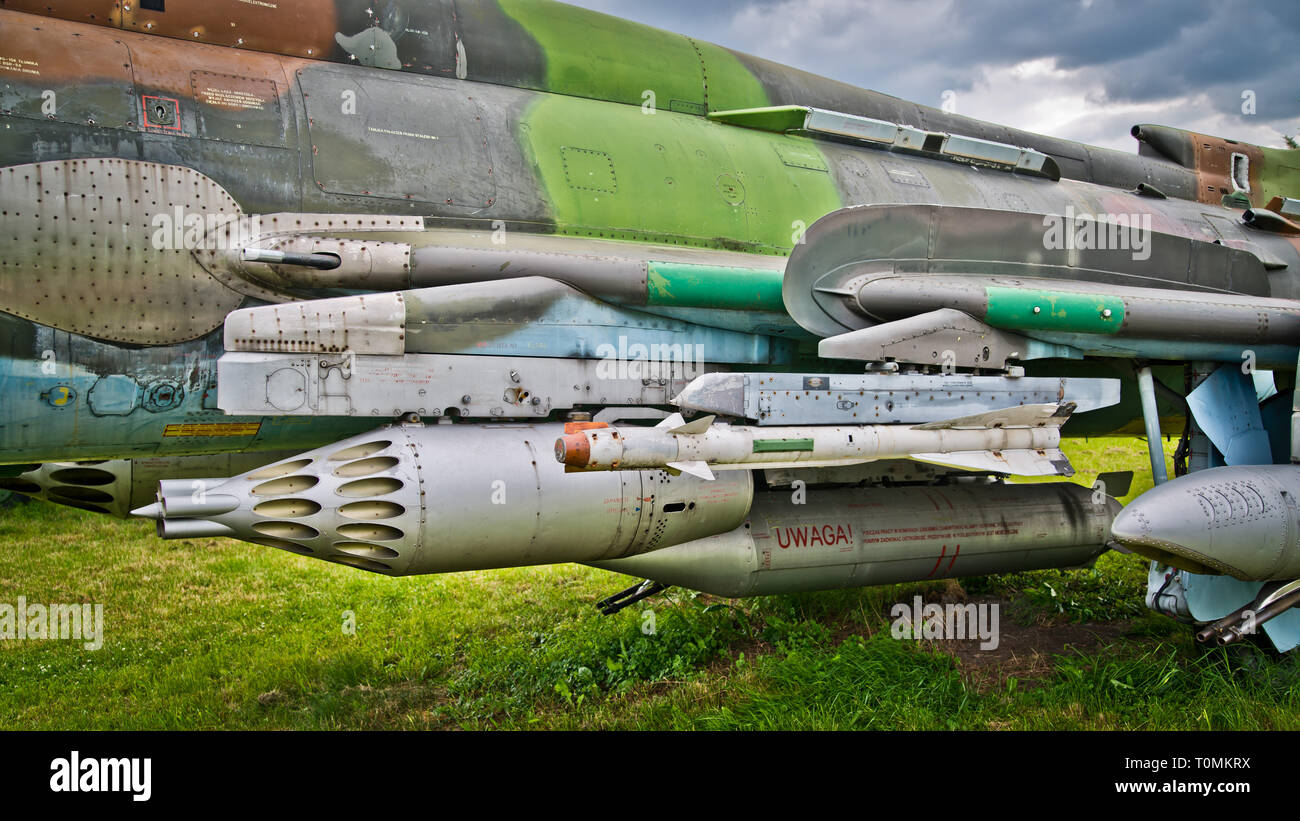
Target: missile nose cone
573	449
153	511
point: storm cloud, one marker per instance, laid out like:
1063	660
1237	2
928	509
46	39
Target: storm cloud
1085	70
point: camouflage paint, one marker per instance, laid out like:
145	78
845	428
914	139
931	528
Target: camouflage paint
573	163
615	172
548	46
623	61
1280	174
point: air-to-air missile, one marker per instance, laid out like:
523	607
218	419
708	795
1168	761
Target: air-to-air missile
1021	441
277	227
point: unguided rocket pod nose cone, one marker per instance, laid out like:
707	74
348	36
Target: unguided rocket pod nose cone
153	511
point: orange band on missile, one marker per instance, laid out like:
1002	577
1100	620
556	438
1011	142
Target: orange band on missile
573	449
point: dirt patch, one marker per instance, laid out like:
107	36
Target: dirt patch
1024	651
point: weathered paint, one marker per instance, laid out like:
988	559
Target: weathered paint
1053	311
1279	175
712	286
622	61
562	145
548	46
616	172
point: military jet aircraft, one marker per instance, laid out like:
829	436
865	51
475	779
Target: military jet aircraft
421	286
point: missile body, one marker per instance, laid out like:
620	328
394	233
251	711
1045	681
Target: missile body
409	499
1022	440
1240	521
859	537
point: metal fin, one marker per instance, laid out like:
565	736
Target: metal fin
673	420
1021	416
1226	408
697	469
695	425
1047	462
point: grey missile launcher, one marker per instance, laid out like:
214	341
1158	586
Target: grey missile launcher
409	499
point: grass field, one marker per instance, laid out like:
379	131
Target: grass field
222	634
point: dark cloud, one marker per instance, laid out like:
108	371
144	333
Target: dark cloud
1125	52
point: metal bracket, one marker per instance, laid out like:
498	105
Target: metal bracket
626	598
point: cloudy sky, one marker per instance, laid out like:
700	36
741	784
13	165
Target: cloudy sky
1081	69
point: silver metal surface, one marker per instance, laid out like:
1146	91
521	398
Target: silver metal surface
1239	521
407	499
127	227
1021	440
366	324
1151	420
830	399
862	537
117	486
431	385
935	338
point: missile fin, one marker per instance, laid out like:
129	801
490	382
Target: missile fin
1117	483
674	420
694	426
698	469
1021	416
1017	462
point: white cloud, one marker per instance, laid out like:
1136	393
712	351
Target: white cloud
1038	96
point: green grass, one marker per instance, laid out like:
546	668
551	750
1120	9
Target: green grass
222	634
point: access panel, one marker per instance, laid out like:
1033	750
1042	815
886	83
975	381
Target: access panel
375	134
